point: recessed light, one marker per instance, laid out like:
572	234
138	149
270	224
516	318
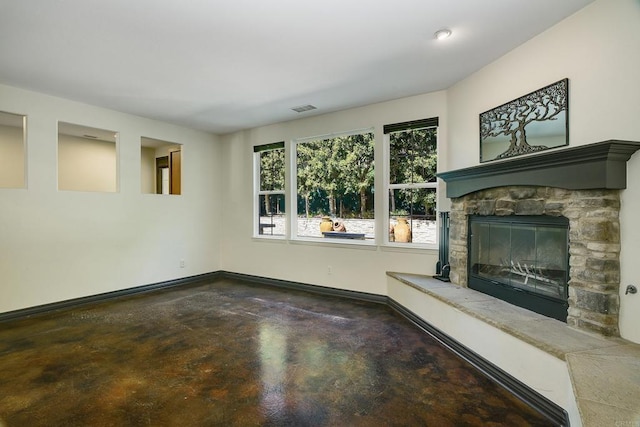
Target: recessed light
303	108
442	34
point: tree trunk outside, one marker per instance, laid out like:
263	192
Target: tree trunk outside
267	206
306	204
392	202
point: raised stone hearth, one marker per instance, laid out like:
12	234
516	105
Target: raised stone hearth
582	184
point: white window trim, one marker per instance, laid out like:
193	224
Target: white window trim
256	201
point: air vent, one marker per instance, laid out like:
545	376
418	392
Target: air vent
303	108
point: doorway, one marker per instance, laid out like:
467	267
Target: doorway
160	167
162	175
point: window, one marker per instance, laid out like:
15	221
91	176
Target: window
270	208
161	166
87	158
412	182
12	152
334	179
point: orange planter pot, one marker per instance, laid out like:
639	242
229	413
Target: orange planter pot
402	231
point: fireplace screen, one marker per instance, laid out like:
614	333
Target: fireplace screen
523	260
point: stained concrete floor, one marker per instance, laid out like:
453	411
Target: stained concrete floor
235	354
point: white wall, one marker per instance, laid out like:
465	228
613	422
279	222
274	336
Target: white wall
354	268
598	50
56	245
11	157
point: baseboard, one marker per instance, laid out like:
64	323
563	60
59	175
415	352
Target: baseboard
550	410
191	280
554	413
91	299
316	289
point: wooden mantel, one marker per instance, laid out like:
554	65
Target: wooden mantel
602	165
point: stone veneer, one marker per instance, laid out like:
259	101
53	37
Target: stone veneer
594	243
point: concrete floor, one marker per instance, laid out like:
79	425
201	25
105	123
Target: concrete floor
234	354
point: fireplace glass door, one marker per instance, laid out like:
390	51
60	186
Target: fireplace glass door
523	260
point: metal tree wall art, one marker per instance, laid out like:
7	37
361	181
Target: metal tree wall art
534	122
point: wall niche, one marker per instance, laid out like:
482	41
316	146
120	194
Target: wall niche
12	150
87	158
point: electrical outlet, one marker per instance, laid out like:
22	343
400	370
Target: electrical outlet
329	269
181	263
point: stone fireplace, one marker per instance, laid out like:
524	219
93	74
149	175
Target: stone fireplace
581	184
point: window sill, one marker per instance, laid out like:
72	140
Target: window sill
411	247
333	242
267	238
367	244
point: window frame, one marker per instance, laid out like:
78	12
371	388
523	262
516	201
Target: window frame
388	186
293	184
257	193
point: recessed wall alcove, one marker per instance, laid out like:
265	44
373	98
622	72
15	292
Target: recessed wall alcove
582	184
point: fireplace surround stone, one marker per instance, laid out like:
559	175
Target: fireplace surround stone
594	243
580	183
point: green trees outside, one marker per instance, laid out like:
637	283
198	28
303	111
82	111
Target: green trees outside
335	176
357	167
413	160
272	169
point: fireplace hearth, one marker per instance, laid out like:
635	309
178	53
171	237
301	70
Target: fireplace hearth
580	185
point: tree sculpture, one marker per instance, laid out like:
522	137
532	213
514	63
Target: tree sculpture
512	118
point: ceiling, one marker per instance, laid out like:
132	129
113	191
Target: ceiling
226	65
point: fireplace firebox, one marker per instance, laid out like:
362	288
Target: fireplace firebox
523	260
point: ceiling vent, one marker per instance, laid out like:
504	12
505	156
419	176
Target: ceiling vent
303	108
